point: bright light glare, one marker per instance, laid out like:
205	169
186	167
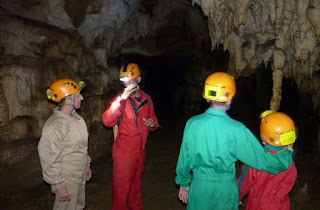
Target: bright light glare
124	79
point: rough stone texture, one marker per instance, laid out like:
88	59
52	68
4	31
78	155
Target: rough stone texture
34	54
41	40
51	12
283	32
112	15
4	110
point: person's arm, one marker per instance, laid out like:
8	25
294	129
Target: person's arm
183	177
111	115
154	123
49	150
246	181
89	171
249	151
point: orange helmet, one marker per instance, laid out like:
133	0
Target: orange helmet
277	128
219	87
129	72
61	88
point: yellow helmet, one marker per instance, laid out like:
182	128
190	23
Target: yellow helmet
219	87
61	88
277	128
129	72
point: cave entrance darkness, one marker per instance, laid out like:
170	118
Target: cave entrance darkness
161	76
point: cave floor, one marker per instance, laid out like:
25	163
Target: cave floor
159	190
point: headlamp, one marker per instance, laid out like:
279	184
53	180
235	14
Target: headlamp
288	137
213	92
82	84
124	79
48	91
265	113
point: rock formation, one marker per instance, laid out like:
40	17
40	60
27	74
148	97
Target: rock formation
41	40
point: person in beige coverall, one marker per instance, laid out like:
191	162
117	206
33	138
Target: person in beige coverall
63	146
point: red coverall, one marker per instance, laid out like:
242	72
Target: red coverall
128	150
267	191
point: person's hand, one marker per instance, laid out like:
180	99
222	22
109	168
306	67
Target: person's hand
63	194
183	194
240	203
128	90
88	174
149	122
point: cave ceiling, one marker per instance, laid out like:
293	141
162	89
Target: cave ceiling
283	34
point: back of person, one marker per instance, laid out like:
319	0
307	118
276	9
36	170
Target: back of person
212	143
268	191
212	161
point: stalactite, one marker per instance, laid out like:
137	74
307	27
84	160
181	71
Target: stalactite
314	16
279	62
277	76
76	10
283	32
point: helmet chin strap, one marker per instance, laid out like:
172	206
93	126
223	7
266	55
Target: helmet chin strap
73	103
227	107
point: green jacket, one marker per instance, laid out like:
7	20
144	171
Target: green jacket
211	145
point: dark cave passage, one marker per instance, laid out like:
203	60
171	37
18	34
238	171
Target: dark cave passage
165	79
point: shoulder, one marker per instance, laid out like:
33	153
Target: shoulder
55	124
220	119
234	122
196	120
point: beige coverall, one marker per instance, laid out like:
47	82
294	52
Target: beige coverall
64	158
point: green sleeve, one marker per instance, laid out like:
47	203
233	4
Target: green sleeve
183	177
249	151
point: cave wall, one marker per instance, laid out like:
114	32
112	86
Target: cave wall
41	40
32	56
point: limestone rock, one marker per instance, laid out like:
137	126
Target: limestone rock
289	27
51	12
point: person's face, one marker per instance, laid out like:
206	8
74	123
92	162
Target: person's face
133	81
78	100
127	83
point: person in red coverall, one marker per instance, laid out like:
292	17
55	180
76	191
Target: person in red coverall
267	191
133	113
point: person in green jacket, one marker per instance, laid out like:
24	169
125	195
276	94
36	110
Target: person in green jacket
212	143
